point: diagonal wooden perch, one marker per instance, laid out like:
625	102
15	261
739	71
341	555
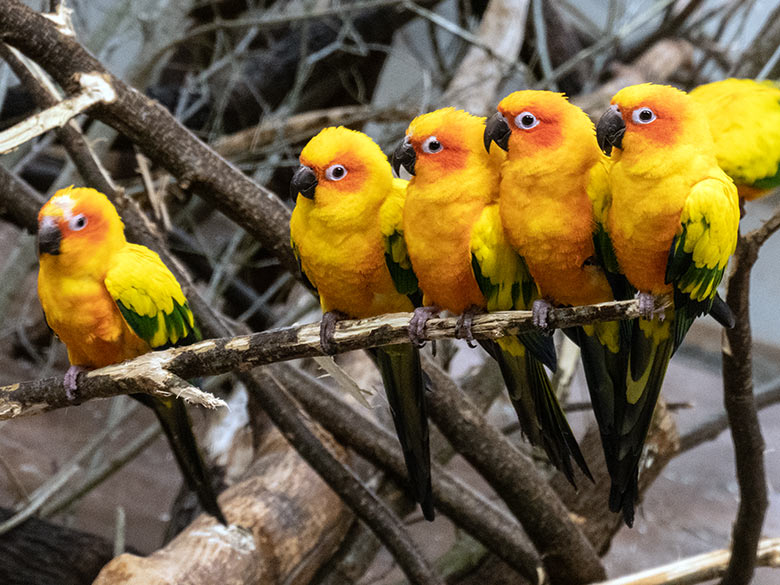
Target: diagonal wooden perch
164	372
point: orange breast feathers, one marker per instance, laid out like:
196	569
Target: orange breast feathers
87	320
545	207
350	272
438	238
550	223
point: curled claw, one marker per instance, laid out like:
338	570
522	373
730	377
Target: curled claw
70	381
647	306
463	326
328	328
418	321
540	311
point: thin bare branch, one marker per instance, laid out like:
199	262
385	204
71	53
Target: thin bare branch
740	403
699	568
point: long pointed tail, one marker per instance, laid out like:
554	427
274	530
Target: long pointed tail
541	417
177	426
403	378
624	385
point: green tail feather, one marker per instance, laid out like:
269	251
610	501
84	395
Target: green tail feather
403	379
647	367
541	417
177	426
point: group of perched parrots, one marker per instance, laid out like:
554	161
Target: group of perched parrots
531	209
558	214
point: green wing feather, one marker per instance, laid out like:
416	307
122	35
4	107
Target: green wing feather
396	255
699	253
153	304
150	299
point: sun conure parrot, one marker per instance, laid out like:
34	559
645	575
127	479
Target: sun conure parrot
346	233
553	193
109	301
744	117
464	264
673	223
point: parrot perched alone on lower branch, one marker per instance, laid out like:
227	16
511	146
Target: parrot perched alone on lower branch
346	233
673	224
109	301
465	265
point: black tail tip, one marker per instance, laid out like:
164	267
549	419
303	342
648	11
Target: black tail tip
217	513
623	501
426	504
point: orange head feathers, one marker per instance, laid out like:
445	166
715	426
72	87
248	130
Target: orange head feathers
339	163
76	224
441	142
648	118
533	125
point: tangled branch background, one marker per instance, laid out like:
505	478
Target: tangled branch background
192	115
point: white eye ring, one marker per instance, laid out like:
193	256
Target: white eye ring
336	172
526	120
643	116
432	145
78	222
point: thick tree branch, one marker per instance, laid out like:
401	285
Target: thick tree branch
363	502
164	371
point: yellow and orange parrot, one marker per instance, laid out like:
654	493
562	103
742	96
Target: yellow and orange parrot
109	301
673	223
552	195
464	264
744	118
346	233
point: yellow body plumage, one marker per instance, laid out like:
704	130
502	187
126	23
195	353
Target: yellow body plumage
666	177
81	288
339	237
744	118
109	300
346	232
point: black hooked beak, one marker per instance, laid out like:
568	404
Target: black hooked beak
404	156
497	130
304	181
49	238
610	130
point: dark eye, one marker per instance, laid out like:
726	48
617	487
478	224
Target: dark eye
78	222
336	172
643	115
526	120
432	145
